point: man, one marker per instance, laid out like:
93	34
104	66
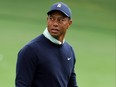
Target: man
48	60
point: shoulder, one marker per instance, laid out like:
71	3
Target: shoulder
38	39
66	44
69	47
30	45
36	44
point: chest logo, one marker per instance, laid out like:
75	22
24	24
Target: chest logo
69	58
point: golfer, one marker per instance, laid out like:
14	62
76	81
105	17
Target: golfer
48	60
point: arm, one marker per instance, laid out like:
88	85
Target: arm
72	81
25	68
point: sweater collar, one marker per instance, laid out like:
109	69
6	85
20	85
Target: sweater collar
51	38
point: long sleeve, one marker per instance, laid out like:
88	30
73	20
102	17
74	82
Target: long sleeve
72	81
26	66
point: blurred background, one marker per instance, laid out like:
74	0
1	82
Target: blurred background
92	36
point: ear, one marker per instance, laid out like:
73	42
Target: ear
69	23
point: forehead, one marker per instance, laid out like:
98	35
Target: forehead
57	13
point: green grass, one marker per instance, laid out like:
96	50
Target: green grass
92	35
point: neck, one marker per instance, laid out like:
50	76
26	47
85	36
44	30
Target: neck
53	39
61	38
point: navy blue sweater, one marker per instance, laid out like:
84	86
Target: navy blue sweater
42	63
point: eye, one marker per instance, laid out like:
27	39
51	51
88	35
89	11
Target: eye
51	18
61	19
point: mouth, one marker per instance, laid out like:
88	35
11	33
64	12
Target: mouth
55	30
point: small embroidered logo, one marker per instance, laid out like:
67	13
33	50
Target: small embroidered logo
69	58
59	5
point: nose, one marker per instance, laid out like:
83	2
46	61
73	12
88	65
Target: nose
55	23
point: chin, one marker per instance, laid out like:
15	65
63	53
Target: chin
55	36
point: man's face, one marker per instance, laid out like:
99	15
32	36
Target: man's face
57	24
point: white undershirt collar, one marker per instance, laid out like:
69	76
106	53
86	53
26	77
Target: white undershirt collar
51	38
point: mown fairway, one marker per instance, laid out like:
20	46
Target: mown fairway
92	35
